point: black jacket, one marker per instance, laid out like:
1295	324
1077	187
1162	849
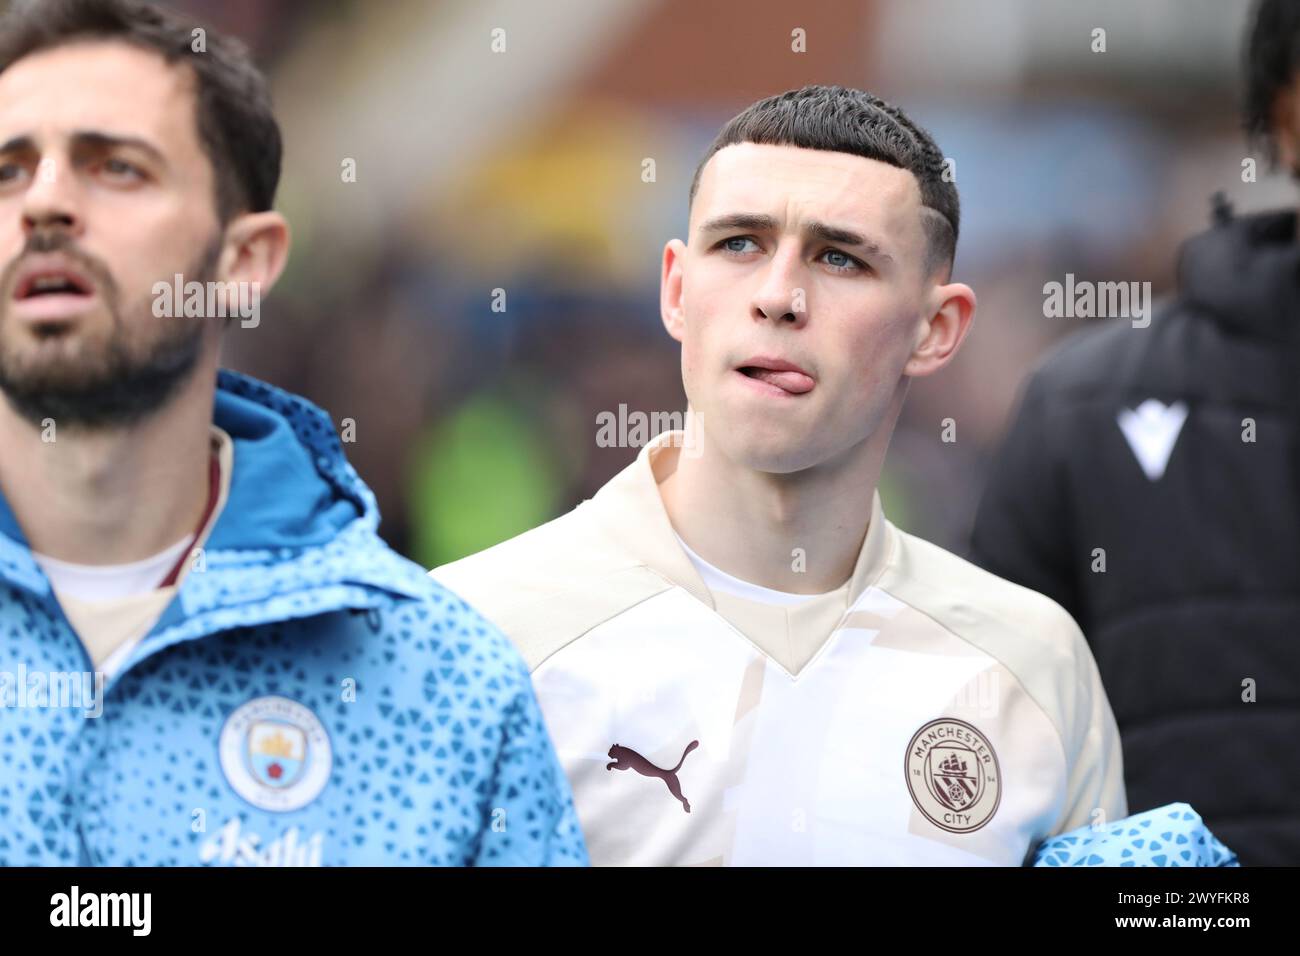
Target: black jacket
1200	595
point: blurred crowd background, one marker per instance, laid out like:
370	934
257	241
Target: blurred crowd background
521	170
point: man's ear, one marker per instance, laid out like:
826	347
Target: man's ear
939	334
256	249
671	307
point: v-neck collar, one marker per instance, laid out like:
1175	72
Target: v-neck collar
631	510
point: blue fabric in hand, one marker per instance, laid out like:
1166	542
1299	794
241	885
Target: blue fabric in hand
1172	835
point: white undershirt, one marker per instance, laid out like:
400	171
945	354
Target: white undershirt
718	580
102	582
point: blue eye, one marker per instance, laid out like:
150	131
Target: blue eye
118	168
843	262
727	244
9	172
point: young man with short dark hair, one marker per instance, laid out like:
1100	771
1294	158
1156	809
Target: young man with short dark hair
741	661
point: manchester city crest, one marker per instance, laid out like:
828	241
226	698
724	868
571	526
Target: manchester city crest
953	775
275	753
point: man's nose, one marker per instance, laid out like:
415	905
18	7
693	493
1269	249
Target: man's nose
50	201
781	296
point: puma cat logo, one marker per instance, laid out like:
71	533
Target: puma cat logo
625	758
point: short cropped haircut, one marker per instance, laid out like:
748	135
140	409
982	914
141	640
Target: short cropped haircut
842	120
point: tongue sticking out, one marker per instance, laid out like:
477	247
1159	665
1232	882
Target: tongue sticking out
794	382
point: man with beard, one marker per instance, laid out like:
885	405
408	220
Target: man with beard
272	684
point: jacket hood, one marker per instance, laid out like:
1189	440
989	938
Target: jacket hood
1245	271
292	487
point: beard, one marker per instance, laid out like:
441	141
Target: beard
83	379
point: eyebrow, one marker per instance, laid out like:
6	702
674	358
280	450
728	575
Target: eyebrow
739	220
757	222
92	138
19	144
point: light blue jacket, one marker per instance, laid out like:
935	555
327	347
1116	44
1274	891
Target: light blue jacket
309	697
